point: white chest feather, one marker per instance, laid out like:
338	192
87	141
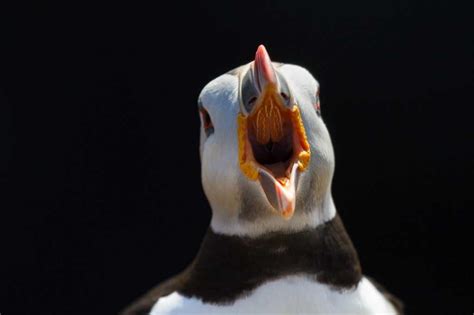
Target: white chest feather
290	295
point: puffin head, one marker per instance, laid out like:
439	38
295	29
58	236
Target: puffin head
266	154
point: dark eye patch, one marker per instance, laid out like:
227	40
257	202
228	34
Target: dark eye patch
317	104
207	124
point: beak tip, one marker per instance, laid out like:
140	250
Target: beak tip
263	67
261	50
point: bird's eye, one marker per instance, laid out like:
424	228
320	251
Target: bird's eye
206	122
251	101
248	92
317	104
284	90
285	96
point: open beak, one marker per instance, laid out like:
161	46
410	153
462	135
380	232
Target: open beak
273	146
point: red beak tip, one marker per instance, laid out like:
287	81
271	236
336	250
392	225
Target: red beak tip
261	50
261	55
263	64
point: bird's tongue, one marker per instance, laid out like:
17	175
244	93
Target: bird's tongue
281	196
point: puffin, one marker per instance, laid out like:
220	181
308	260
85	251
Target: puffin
275	244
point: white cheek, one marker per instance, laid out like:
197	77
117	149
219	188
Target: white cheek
220	172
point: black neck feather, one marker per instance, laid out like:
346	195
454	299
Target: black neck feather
228	267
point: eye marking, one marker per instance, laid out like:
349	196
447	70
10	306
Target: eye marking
248	92
317	104
252	100
284	89
207	124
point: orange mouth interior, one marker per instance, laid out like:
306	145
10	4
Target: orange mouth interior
272	137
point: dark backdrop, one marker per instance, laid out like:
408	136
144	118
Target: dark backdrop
101	196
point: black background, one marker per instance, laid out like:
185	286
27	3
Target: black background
101	196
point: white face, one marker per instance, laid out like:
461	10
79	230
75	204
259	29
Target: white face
239	204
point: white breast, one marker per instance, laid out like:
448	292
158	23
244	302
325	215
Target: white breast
290	295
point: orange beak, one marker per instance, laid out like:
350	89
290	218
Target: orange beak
273	146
